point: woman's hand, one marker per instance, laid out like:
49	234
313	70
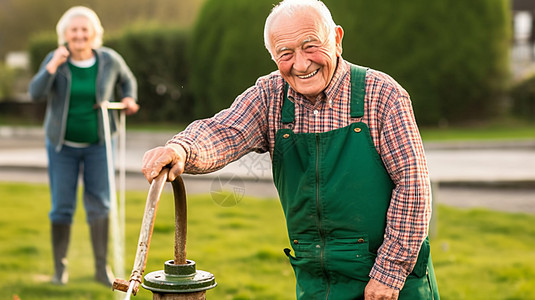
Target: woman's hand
61	54
131	107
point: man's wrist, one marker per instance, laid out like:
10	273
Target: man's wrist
389	275
180	152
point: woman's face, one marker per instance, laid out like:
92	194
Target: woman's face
80	34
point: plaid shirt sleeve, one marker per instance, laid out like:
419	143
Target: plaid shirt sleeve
401	149
215	142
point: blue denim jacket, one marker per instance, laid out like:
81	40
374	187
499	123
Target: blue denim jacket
113	76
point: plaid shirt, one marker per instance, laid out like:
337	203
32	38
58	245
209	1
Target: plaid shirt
253	119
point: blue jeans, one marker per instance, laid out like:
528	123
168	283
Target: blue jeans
64	168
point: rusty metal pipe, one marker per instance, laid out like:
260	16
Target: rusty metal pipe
179	279
181	216
145	235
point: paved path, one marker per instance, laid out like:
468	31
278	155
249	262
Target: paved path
499	175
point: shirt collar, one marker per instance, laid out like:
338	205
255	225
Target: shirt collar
339	79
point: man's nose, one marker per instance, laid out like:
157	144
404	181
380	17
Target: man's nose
301	61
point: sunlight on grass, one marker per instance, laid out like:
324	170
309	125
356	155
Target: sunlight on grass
478	254
502	130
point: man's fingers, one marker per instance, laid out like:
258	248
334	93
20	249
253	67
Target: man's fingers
176	170
151	165
156	159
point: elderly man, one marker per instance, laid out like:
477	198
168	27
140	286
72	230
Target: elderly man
347	156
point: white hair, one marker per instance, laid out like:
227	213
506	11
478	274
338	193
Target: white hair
290	7
80	11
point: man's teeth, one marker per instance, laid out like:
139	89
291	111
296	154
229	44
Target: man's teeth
309	75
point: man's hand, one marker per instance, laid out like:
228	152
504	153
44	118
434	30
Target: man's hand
173	156
378	291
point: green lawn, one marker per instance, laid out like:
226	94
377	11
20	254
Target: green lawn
499	130
478	254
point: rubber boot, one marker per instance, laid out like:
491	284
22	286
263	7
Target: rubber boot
99	240
60	243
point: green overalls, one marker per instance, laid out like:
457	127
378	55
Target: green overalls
335	193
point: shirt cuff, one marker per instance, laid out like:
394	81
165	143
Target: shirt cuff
390	274
191	157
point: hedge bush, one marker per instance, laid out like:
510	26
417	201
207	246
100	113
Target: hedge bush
227	52
156	56
7	81
523	99
38	47
451	56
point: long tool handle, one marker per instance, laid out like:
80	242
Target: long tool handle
117	210
118	251
145	234
114	213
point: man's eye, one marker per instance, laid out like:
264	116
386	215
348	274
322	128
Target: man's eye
311	48
285	56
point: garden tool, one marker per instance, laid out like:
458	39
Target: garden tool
117	212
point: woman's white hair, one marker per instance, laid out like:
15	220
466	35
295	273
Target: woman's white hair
290	7
80	11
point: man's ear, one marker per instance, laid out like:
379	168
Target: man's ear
339	34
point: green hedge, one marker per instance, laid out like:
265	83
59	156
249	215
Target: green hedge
227	52
523	99
7	80
156	56
38	47
452	56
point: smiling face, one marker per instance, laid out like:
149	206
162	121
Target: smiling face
305	55
80	34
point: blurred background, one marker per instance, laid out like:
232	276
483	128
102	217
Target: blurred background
469	67
463	62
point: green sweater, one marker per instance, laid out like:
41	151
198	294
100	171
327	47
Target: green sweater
82	118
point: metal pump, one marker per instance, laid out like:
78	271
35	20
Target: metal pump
179	279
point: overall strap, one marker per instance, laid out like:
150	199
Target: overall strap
288	107
358	90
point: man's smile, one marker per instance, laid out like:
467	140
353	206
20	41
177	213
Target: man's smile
309	75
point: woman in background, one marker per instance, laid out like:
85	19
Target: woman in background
76	78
